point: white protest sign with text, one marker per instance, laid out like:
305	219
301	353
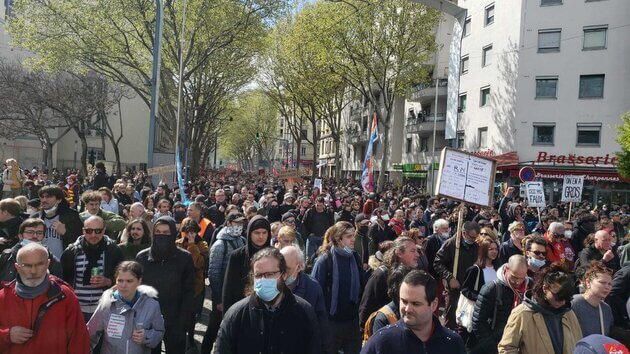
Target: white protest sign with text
572	189
535	194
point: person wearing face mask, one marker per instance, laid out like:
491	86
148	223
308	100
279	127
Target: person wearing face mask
228	239
307	288
536	253
339	272
544	323
89	264
170	270
445	261
63	224
361	245
515	244
558	248
441	233
271	319
380	231
40	313
30	231
139	238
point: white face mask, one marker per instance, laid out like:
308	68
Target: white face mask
445	235
568	234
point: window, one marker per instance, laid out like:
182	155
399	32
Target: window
591	86
304	133
460	139
550	2
594	37
489	14
546	87
464	65
462	102
424	144
483	137
467	27
543	133
409	145
588	134
486	55
549	40
303	152
484	96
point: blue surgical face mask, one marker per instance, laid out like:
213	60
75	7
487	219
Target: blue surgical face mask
469	242
347	249
290	280
536	263
266	289
26	242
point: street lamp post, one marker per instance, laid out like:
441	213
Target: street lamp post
155	79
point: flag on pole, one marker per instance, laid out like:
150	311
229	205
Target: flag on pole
367	177
180	178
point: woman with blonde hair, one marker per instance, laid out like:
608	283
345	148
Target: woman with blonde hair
339	271
286	237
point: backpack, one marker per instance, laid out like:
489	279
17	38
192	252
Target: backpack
387	311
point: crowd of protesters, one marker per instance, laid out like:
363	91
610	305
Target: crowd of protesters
114	264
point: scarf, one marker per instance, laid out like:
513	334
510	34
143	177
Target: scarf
355	283
519	293
27	292
92	254
133	301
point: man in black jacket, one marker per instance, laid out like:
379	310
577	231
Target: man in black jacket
63	224
271	319
445	260
380	230
216	212
10	219
171	272
493	306
316	221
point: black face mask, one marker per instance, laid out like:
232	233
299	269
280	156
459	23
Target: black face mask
363	230
163	246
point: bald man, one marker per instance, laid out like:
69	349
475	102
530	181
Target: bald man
600	250
55	324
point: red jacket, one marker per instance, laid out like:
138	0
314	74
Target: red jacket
60	330
560	251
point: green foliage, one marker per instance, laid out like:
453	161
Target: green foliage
623	157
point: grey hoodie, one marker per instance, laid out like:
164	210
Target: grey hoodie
111	311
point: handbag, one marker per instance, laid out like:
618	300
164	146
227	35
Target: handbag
465	308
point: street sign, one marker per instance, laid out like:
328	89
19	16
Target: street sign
535	194
160	170
572	189
527	174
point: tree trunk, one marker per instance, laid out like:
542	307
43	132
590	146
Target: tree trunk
337	159
84	149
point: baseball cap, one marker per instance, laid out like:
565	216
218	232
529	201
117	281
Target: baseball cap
287	215
599	344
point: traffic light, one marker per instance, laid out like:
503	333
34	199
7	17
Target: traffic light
258	137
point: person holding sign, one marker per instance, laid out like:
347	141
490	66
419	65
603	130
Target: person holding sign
444	265
128	316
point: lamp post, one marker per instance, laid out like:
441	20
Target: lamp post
155	79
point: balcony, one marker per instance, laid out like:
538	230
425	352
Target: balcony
424	123
355	136
420	91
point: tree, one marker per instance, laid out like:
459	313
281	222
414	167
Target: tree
251	136
382	47
115	39
623	157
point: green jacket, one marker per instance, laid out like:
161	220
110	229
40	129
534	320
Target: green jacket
114	223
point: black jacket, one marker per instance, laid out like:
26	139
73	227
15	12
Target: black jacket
488	336
215	215
70	218
375	294
237	271
173	278
377	234
431	248
248	327
619	296
445	259
8	272
113	256
9	230
590	254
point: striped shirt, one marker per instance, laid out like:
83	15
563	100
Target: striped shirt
87	295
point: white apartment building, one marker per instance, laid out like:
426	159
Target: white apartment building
547	80
66	153
286	147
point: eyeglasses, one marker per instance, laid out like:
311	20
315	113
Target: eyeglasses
33	232
91	231
539	253
291	221
268	275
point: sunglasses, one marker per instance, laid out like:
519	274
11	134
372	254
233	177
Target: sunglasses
539	253
91	231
